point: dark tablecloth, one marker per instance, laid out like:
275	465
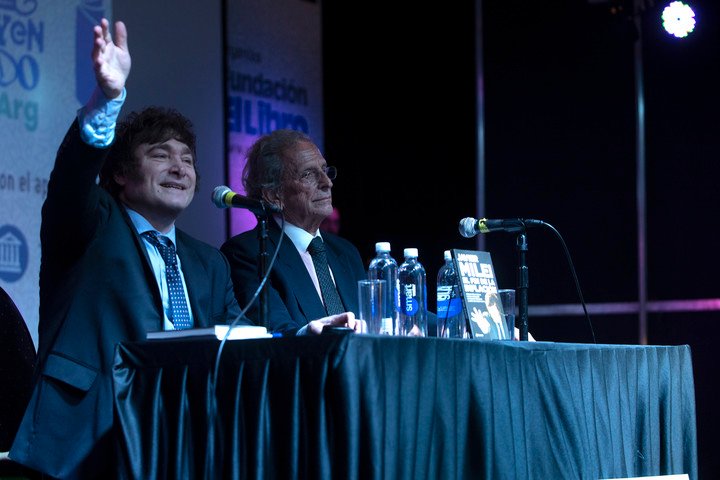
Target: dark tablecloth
367	407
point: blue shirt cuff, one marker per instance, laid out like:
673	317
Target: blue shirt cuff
98	118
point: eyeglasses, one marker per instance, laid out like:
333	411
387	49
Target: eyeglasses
312	176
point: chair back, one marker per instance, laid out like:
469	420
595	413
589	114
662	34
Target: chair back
17	361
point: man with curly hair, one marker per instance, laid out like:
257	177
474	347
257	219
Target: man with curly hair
113	266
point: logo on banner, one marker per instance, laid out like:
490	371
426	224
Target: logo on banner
22	39
13	253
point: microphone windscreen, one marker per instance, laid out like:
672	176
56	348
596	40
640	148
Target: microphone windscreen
468	227
218	196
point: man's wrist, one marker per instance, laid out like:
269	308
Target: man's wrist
98	118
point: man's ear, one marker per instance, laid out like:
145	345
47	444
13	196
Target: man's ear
273	197
119	179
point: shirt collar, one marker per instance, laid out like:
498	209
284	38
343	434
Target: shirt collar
300	238
142	225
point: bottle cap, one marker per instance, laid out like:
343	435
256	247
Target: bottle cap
411	252
446	255
382	247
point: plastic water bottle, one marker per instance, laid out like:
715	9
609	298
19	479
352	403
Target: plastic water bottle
412	296
450	315
384	267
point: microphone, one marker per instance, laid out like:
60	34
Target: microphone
223	197
469	227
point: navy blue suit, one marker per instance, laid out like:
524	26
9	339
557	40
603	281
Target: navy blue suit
97	289
293	299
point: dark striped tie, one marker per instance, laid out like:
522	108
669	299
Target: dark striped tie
178	312
333	304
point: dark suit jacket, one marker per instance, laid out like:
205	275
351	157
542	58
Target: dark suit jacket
293	300
97	289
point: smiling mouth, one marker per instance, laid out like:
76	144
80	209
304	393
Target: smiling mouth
173	185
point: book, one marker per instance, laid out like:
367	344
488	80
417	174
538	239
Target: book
218	331
478	289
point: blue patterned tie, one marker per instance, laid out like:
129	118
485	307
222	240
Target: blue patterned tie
333	304
178	312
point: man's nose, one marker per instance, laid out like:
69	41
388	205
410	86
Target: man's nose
179	166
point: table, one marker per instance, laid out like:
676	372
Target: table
371	407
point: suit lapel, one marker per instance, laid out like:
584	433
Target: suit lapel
196	281
303	288
344	281
149	322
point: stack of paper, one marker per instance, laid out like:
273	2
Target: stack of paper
218	331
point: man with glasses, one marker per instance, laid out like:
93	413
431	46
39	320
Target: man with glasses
313	282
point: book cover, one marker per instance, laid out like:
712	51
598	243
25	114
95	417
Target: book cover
478	288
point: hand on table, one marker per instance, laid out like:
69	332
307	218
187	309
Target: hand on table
346	319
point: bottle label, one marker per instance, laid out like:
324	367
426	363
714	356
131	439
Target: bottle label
448	303
449	308
408	304
396	291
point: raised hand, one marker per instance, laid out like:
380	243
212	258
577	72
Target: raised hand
111	60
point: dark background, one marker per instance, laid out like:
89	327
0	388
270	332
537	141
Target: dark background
401	91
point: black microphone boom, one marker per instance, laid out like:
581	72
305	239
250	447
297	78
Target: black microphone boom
223	197
469	227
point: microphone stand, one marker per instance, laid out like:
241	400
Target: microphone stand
263	262
522	285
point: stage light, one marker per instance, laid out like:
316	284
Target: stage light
678	19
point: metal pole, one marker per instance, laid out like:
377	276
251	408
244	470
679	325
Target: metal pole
480	122
640	186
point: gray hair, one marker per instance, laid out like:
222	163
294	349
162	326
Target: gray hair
265	165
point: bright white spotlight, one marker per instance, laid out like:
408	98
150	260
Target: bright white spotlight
678	19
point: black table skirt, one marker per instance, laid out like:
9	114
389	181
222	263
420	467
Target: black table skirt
372	407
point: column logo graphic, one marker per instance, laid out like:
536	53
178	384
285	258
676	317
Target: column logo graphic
13	253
